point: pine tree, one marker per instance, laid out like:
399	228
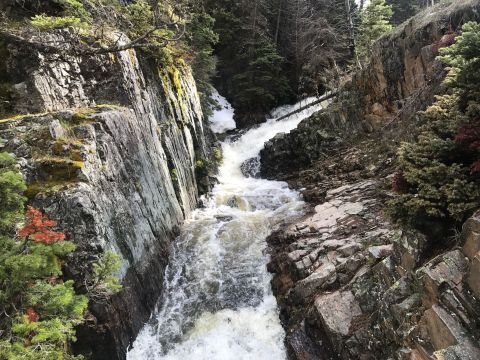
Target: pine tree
201	37
442	168
403	10
260	85
375	22
12	186
250	66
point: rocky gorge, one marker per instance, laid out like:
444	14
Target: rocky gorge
275	242
350	283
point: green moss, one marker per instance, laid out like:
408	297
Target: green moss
63	148
176	80
45	23
4	118
84	115
217	154
46	187
163	75
200	164
59	169
174	175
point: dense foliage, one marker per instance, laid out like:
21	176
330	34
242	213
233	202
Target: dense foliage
442	168
39	309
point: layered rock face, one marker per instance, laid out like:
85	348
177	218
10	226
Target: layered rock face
110	153
351	286
402	77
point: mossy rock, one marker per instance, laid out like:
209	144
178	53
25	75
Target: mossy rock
69	149
58	169
46	187
84	115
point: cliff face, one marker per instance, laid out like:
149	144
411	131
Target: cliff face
401	78
110	152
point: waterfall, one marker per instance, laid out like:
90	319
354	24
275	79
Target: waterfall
217	302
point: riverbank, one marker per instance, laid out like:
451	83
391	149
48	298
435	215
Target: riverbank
352	286
350	283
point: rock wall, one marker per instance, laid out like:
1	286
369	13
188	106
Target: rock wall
351	285
110	153
401	78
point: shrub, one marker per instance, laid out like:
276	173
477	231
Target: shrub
12	186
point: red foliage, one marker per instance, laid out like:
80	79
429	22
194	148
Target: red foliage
475	167
469	135
32	315
37	227
446	40
399	183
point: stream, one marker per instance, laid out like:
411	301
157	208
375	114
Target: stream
217	302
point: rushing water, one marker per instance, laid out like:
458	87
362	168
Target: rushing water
217	302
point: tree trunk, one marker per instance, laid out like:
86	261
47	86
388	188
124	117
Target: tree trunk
279	15
351	31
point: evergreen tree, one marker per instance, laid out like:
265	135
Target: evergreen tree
375	22
12	187
201	37
39	309
441	170
260	84
250	66
403	10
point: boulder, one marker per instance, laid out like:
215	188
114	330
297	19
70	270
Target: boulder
471	236
337	311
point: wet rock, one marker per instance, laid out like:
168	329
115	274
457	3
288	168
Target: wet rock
224	218
251	167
